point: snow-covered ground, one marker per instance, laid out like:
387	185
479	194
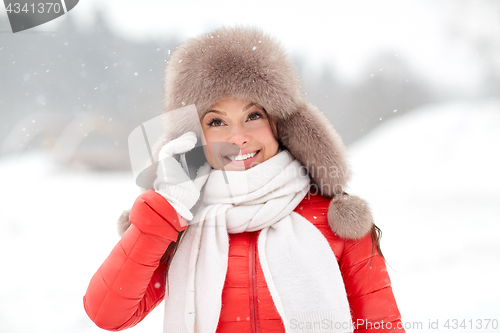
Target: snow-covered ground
56	228
431	178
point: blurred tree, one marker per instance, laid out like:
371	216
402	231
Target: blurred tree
387	87
74	70
390	88
94	72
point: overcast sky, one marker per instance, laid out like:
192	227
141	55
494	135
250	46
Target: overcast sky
343	33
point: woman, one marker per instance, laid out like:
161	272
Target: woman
273	243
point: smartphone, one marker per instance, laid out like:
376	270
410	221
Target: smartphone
144	137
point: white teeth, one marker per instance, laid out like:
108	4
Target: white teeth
241	157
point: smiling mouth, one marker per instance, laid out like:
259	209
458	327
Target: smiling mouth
242	157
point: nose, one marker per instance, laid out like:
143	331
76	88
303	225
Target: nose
239	135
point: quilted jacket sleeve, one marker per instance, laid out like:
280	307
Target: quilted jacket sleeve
368	288
131	281
367	283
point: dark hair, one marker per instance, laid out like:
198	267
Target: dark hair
171	249
275	130
376	235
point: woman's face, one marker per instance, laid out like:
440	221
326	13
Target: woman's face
238	135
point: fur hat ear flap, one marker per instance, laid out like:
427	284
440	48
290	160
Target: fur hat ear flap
310	138
349	216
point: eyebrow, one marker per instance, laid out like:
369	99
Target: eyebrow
251	104
215	111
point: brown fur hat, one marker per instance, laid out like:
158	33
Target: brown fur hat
247	64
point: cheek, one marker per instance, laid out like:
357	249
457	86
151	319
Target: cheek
212	148
268	141
206	149
210	136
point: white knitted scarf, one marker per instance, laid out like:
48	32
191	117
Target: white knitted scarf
298	264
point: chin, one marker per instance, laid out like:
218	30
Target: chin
235	167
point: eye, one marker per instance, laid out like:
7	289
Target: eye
215	122
255	115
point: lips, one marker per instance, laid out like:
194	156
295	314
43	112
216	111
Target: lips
242	157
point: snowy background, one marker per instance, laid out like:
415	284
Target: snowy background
430	175
431	178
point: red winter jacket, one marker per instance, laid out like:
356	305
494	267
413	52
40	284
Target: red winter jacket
131	281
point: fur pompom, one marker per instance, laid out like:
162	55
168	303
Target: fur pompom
123	222
349	216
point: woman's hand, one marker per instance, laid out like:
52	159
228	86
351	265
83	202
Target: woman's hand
173	183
